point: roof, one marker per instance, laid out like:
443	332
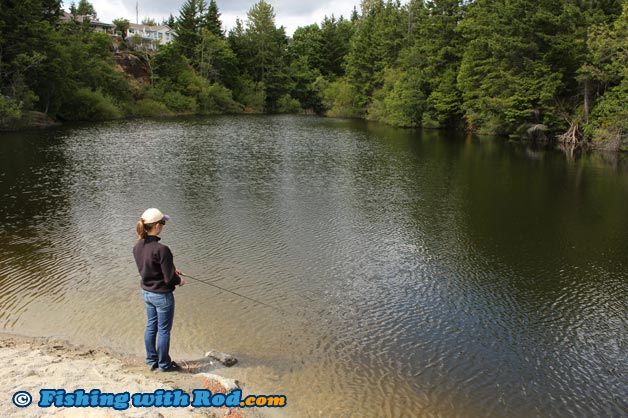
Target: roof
67	17
97	23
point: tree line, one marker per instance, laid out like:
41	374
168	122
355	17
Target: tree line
538	69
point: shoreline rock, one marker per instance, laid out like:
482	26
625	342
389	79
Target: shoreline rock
31	120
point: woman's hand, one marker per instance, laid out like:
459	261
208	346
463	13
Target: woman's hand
182	282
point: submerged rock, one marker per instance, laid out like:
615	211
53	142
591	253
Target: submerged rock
226	359
216	383
40	120
537	133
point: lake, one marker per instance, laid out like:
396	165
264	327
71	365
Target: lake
414	273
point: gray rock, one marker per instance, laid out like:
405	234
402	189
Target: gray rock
226	359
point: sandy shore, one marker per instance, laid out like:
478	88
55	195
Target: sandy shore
33	364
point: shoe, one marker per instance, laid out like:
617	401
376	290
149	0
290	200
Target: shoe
174	367
153	367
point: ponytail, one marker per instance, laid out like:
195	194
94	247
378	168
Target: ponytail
142	229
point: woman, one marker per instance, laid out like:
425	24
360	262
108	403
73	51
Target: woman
159	278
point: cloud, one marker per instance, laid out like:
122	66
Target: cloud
288	13
109	10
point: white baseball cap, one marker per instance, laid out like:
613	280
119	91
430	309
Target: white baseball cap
153	215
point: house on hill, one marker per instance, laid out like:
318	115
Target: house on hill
151	35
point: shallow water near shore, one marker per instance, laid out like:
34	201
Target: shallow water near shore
416	273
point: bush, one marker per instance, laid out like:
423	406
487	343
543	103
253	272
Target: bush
10	112
608	124
252	95
443	105
86	104
150	107
400	101
216	98
286	104
340	98
179	103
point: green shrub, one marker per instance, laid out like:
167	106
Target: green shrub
150	107
179	103
86	104
286	104
252	95
340	98
399	102
216	98
10	112
608	124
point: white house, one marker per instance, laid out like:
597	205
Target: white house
155	35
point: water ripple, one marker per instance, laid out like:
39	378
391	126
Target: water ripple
417	275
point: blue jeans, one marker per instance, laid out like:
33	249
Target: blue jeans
159	314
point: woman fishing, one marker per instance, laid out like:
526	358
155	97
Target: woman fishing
159	278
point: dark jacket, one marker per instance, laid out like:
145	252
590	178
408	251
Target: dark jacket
155	264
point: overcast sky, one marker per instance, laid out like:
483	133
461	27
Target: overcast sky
289	13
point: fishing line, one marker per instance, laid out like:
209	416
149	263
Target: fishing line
233	293
291	328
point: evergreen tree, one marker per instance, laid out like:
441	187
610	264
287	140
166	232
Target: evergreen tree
188	27
170	22
315	53
52	11
260	50
170	67
85	8
26	46
335	42
354	15
606	71
211	20
306	44
434	51
218	63
509	76
586	19
305	61
237	41
521	62
375	45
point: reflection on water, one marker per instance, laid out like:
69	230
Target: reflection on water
419	273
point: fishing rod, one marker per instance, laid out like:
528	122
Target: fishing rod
232	292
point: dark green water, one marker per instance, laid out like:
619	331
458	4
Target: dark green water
419	273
